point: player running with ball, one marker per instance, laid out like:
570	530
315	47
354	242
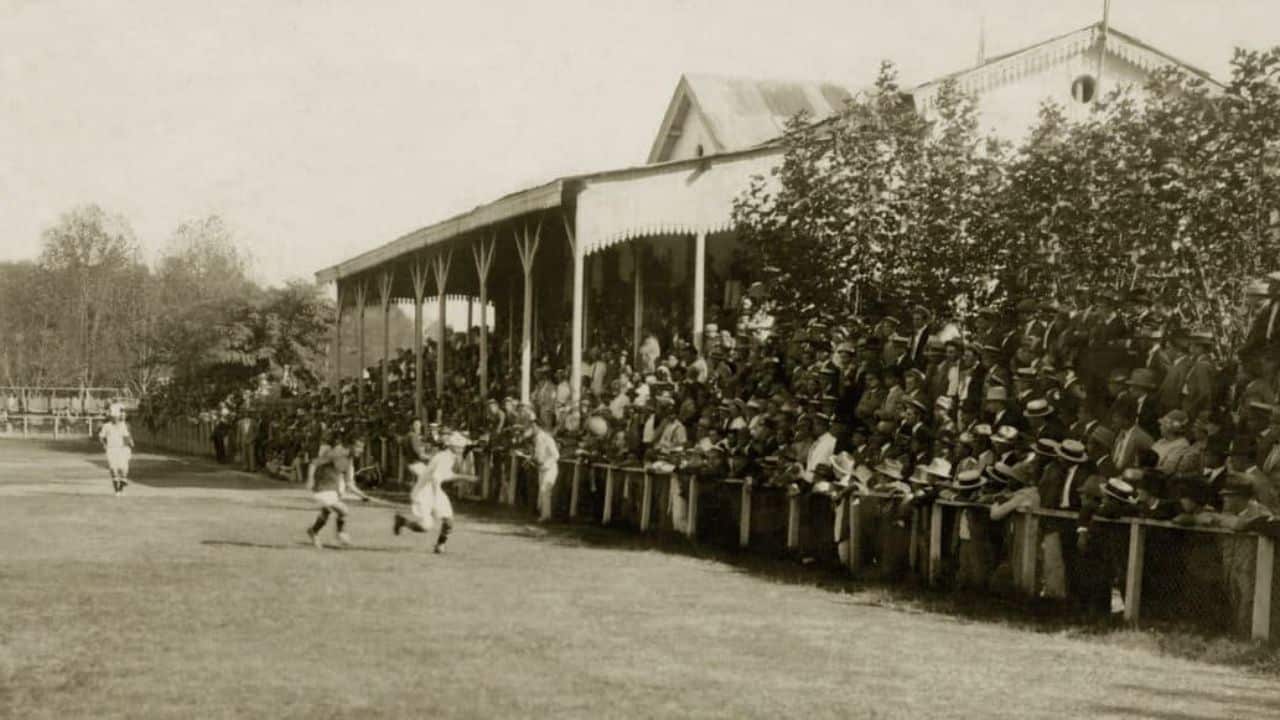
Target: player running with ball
330	477
430	503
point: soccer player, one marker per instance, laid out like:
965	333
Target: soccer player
118	443
330	477
429	500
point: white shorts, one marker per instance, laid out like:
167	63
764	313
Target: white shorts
118	459
329	499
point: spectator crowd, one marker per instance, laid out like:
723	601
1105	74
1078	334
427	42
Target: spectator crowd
1104	406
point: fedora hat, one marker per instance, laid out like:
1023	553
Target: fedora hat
1073	452
997	393
938	467
891	468
1175	419
1103	435
1143	378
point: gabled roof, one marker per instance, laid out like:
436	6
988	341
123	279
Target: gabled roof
1012	65
740	112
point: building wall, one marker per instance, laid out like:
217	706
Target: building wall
693	133
1010	110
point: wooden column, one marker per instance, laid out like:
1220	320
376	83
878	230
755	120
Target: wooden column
527	246
337	339
691	526
576	331
384	286
1263	573
511	323
483	254
440	264
419	274
699	285
637	252
607	513
575	489
853	508
744	517
1030	551
360	298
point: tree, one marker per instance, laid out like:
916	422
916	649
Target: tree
87	257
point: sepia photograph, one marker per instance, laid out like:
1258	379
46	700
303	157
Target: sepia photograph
668	359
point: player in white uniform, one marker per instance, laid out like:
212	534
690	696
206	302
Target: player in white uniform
330	477
429	500
118	443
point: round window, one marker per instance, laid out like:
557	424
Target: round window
1083	88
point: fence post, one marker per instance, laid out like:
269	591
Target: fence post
1030	551
793	522
691	525
853	508
511	482
1133	578
935	543
91	427
744	517
55	427
646	501
574	488
1263	573
607	514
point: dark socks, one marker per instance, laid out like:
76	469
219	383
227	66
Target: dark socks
341	521
321	519
446	526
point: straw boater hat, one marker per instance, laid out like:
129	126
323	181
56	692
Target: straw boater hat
969	480
1006	434
1175	419
1046	447
1073	452
1038	408
1121	489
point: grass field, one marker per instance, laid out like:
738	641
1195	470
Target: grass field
197	596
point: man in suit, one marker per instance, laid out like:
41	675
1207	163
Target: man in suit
1172	360
1200	384
1131	440
1142	383
921	330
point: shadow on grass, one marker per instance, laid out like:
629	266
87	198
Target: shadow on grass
1245	702
903	595
302	545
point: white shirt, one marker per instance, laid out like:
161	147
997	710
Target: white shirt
819	453
545	452
114	434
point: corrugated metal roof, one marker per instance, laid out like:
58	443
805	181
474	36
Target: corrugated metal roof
742	112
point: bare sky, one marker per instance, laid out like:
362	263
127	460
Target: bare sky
322	129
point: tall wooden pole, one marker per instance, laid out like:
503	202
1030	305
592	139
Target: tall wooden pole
483	254
699	285
360	298
441	265
384	286
637	251
575	347
527	246
419	274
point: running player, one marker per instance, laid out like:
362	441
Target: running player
330	477
118	443
429	500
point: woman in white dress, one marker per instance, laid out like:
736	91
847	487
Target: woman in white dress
118	443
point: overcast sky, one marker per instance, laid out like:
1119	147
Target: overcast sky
322	129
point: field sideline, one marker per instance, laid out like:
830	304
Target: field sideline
198	596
